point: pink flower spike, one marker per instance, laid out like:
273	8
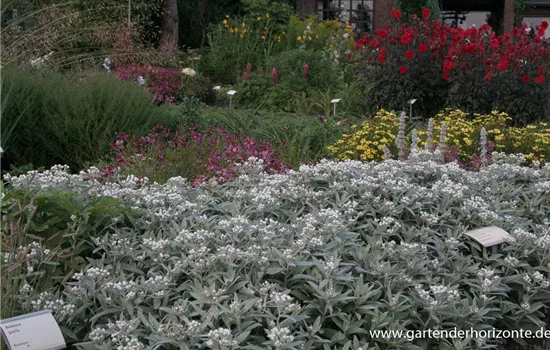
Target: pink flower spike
274	76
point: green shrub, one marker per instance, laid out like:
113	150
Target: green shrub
290	65
56	228
298	140
49	118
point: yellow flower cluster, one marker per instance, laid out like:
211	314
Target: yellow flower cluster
533	141
463	133
367	141
241	28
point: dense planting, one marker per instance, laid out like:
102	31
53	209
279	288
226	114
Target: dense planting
471	69
199	157
309	259
462	137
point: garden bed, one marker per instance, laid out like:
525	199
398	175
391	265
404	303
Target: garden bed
314	258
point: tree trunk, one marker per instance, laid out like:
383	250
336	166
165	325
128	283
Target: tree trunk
170	26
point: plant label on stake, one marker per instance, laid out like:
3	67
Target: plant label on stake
34	331
411	102
231	93
488	236
334	102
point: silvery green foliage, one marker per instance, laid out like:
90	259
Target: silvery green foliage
414	141
400	139
483	145
312	259
440	150
387	152
430	134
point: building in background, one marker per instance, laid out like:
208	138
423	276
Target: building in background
464	13
539	10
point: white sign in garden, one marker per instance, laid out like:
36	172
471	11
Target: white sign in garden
488	236
35	331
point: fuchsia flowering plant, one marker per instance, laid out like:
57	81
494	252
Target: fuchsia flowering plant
164	84
197	156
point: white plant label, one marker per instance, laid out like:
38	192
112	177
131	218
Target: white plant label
35	331
336	100
488	236
231	92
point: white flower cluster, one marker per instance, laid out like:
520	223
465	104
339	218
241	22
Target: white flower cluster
488	280
96	273
118	335
280	336
438	295
220	337
58	307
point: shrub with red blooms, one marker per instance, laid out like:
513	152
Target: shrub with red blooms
164	84
197	156
470	69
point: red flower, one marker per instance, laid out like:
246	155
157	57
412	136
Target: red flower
361	42
502	65
525	78
375	43
540	79
541	69
406	39
544	24
381	57
396	14
495	44
445	76
402	69
426	13
423	48
306	70
409	54
488	77
448	65
381	33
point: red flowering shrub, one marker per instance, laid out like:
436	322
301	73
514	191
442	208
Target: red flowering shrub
197	156
164	84
471	69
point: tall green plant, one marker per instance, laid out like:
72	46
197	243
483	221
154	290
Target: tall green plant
414	7
50	118
8	125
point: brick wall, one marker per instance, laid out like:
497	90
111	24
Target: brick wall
508	16
306	7
381	12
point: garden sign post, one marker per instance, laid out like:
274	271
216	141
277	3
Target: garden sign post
231	93
335	101
34	331
488	236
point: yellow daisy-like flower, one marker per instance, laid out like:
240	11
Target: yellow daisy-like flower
242	35
267	15
231	30
309	38
299	38
236	30
263	37
226	16
243	25
259	18
225	21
